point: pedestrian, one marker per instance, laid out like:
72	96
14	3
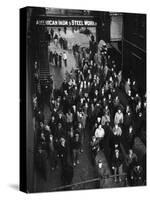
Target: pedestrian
76	149
65	58
60	60
117	165
56	58
99	134
94	146
52	152
63	151
101	173
118	117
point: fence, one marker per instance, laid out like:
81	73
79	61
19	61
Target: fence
99	183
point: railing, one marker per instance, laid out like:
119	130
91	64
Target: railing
89	181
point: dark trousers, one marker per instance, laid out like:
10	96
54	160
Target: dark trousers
52	159
65	62
76	155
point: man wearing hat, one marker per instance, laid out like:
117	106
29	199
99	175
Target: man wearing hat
76	145
63	152
94	145
117	164
102	173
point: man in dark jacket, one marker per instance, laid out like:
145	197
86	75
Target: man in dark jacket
60	60
56	58
60	131
117	164
63	151
52	152
94	146
76	149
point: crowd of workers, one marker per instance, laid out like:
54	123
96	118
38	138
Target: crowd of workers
98	104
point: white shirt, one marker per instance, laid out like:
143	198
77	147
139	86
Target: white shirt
118	118
65	56
99	133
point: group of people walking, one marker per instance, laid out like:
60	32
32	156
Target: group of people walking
88	107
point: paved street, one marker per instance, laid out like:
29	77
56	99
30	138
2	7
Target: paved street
59	73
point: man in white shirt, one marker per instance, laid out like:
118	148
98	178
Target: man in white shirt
118	117
99	132
65	58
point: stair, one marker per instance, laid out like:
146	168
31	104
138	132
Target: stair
44	65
